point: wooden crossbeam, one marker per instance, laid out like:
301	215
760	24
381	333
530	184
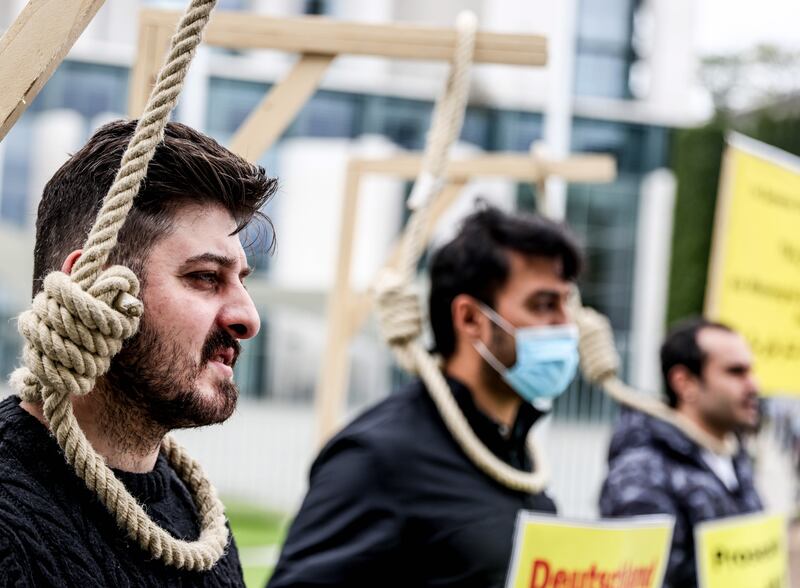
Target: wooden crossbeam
239	30
33	47
319	41
518	167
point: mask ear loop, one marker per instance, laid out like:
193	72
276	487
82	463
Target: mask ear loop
493	316
481	347
490	358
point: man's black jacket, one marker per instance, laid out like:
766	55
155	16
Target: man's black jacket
393	501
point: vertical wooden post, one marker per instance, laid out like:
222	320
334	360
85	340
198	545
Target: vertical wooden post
154	41
332	384
347	311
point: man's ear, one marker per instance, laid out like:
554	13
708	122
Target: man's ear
69	262
468	320
685	384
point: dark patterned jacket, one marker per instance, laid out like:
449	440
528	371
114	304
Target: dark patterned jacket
654	468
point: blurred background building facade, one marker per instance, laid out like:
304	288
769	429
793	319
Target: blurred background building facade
632	80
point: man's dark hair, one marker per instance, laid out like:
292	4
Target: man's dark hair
188	168
681	348
476	262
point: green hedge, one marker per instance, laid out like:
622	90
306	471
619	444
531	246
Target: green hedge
696	160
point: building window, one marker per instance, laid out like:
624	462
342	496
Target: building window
605	53
315	7
86	88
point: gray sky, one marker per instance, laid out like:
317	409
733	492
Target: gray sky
727	25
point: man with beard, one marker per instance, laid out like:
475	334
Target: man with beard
653	468
182	240
393	500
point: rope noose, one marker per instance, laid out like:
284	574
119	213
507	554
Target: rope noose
600	364
79	322
397	302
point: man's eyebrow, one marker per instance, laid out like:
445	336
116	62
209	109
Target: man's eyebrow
220	260
737	368
546	294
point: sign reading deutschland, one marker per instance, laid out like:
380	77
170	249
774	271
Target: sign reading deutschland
742	552
551	552
754	275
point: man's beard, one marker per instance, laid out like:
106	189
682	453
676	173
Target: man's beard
154	380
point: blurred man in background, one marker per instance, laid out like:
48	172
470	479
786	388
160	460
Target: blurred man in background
655	468
393	500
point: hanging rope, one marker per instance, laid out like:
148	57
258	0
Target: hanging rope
79	322
600	364
397	302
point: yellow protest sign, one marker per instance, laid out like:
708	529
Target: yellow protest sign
742	552
754	275
551	552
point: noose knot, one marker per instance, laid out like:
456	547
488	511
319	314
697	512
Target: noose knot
398	309
599	357
71	334
399	316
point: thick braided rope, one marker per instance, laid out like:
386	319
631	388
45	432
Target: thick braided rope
398	305
79	322
600	364
148	135
447	120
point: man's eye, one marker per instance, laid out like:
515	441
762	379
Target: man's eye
545	306
209	278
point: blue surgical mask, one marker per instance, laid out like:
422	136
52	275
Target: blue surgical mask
547	359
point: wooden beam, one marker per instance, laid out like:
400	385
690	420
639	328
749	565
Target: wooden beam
521	168
331	386
33	47
278	109
319	40
237	30
154	41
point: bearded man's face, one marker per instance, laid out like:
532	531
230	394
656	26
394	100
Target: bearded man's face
178	368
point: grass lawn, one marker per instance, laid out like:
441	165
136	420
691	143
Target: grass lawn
259	534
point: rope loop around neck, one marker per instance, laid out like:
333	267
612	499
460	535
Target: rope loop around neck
79	322
600	363
397	302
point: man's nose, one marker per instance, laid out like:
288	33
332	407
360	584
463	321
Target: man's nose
561	315
239	316
753	384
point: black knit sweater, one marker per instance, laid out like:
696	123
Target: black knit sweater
54	532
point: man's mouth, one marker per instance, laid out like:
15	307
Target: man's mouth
225	356
751	404
220	352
